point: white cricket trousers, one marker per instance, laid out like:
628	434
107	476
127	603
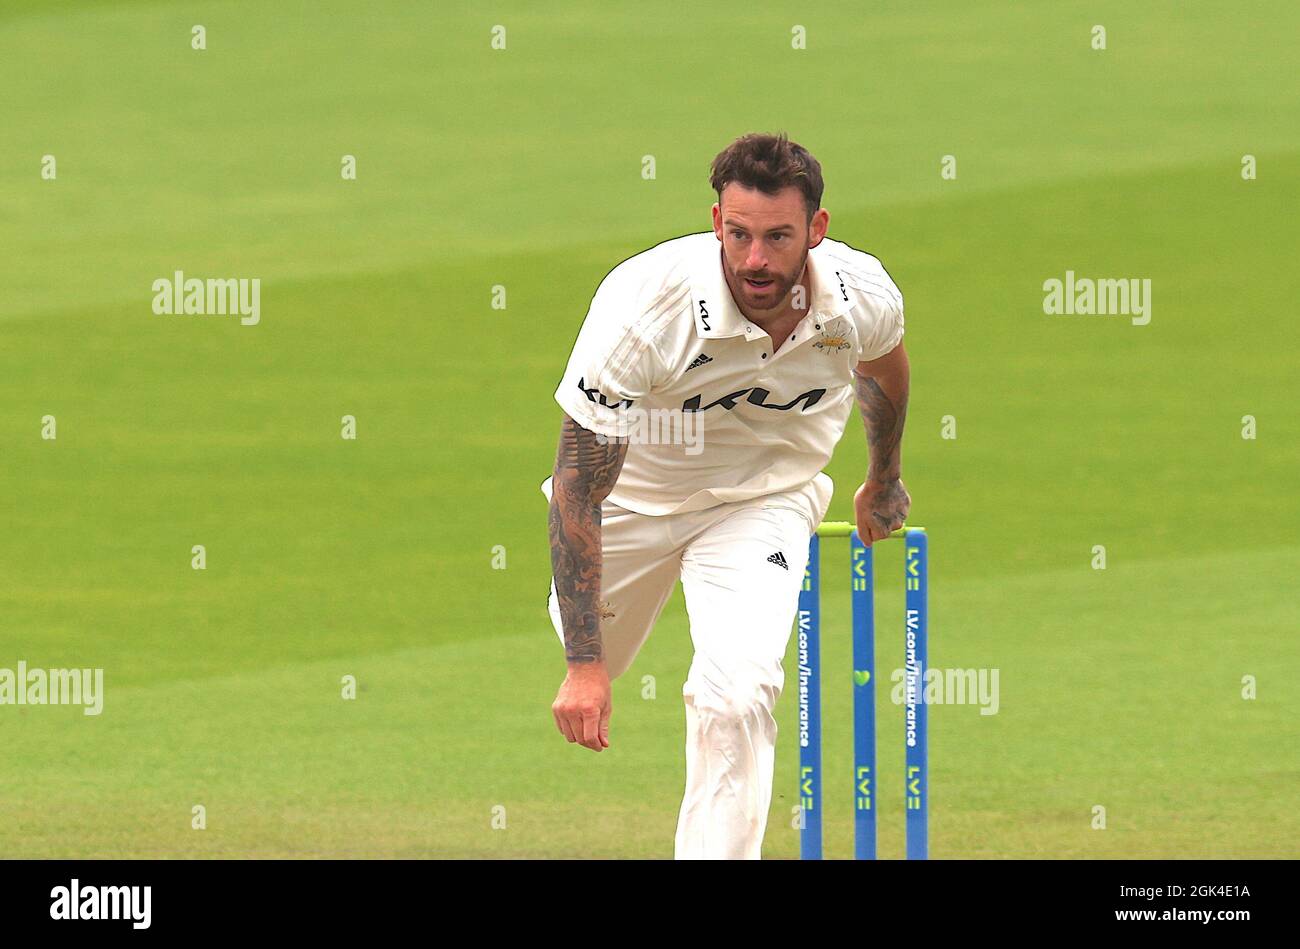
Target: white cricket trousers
741	566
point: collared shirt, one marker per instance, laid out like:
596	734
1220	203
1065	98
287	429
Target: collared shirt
666	360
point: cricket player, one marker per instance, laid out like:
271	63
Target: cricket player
708	386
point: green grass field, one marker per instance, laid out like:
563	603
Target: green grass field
522	167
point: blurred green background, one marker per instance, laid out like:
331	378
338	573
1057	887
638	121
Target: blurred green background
522	167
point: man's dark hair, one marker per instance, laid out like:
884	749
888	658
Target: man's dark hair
769	163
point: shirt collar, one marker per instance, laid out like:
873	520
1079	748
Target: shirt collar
716	314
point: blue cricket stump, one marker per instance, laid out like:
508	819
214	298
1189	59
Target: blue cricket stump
862	594
810	708
916	711
916	777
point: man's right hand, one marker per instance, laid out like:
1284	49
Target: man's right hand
582	706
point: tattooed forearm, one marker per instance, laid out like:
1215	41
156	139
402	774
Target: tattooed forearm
586	467
883	417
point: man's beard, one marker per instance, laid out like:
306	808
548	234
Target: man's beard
775	293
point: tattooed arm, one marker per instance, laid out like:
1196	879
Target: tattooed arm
586	468
881	388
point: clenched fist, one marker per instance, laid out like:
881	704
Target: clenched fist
880	508
582	706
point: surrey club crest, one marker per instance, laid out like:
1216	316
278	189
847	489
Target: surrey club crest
834	337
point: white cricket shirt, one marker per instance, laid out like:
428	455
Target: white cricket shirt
667	360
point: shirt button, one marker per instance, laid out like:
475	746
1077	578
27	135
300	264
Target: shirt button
764	355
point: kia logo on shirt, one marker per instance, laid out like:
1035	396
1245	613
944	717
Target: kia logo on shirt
604	399
754	396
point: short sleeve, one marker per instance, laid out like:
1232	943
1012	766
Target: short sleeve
613	364
880	326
